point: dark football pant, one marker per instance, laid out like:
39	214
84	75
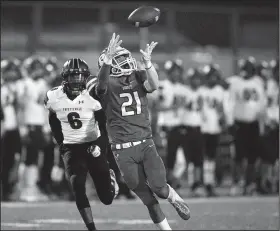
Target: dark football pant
45	181
10	145
175	139
247	146
78	162
270	141
143	170
211	142
191	140
247	141
34	144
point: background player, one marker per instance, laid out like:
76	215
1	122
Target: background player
191	119
122	90
74	118
248	93
213	122
10	142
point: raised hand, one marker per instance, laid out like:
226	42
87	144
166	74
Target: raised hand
113	46
146	55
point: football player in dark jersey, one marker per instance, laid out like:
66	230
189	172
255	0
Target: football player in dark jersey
122	90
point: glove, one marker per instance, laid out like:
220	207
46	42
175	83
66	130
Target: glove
112	49
94	150
146	55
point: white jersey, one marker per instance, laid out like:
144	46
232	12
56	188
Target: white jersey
8	99
213	109
272	92
249	98
76	116
191	115
34	93
166	99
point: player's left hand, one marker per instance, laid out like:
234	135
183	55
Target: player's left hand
146	55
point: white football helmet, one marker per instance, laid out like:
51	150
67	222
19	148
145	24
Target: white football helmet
122	63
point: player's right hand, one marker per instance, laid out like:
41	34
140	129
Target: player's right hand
113	47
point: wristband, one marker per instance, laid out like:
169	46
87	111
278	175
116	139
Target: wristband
148	64
107	61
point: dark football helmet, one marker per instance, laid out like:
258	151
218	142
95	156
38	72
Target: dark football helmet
33	67
194	78
75	73
247	67
262	70
122	63
51	65
212	74
174	70
10	70
274	64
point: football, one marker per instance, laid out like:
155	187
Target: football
144	16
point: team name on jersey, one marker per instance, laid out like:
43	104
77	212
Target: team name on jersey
72	109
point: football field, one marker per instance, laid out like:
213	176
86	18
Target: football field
222	213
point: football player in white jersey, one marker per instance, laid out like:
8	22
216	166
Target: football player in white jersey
49	165
270	153
213	122
191	119
169	116
33	120
75	119
248	93
11	142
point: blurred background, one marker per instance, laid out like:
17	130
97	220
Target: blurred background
196	32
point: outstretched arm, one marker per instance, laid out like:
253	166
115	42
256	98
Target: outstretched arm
152	83
103	75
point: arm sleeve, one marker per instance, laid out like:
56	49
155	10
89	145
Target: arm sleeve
101	119
1	113
56	128
102	80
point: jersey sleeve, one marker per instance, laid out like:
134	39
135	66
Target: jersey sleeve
141	76
49	99
97	106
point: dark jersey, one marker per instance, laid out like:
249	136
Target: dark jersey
126	107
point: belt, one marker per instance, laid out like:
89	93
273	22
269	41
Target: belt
127	145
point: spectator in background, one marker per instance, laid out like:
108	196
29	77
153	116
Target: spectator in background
34	119
248	94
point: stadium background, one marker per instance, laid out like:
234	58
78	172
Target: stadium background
198	32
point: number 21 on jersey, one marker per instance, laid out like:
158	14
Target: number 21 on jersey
130	98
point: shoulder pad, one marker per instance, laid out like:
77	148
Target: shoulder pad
52	94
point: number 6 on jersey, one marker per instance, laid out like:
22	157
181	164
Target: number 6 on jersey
130	102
